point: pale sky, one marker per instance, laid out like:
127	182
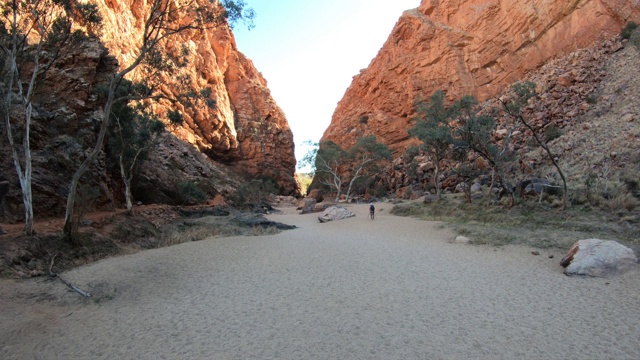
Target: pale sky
308	51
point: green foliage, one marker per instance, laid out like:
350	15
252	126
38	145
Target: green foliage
432	126
367	148
133	133
305	181
190	193
474	132
333	166
552	132
628	30
523	91
175	117
237	10
410	153
255	191
408	210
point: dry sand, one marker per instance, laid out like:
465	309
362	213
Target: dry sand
393	288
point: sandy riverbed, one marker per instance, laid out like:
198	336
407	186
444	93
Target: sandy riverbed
393	288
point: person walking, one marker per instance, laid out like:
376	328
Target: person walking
372	211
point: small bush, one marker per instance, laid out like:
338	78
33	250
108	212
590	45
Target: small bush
191	193
411	209
364	119
255	191
622	202
261	231
628	30
552	132
410	153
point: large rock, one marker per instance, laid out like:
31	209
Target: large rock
335	213
309	206
472	47
594	257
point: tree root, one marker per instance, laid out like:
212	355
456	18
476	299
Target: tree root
68	284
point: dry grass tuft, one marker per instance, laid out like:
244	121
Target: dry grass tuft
537	225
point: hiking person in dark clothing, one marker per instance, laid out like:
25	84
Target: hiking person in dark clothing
372	211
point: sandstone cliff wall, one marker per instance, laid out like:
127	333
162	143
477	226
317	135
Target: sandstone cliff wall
245	129
470	47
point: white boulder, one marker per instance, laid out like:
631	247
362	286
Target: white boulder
595	257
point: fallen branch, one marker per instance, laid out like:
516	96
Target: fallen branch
68	284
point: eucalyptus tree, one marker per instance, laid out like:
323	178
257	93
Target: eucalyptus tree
336	167
434	130
33	37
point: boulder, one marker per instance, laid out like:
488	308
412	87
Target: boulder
316	194
461	240
320	207
309	206
431	198
594	257
335	213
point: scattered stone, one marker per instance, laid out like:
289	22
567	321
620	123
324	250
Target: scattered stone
335	213
316	194
595	257
628	118
428	199
461	240
551	256
309	205
535	253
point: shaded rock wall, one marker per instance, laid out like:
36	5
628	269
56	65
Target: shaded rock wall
468	47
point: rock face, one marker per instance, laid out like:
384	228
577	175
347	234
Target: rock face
465	48
245	129
245	135
594	257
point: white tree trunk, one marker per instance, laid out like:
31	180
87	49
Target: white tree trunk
71	198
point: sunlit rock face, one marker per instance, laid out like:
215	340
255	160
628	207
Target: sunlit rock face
462	47
245	129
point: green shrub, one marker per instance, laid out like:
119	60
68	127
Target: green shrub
628	30
410	209
255	191
190	193
552	132
411	152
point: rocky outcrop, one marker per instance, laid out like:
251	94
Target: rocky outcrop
594	257
245	134
579	95
245	128
469	47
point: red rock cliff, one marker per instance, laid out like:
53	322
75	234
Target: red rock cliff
470	47
246	129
